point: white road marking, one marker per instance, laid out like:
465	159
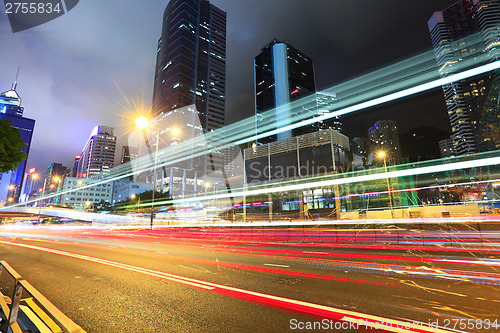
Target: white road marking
302	306
276	265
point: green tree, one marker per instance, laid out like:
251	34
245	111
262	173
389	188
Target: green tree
103	206
10	146
144	197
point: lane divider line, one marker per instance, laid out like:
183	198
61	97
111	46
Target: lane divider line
386	324
276	265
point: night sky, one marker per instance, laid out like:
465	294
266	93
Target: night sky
95	64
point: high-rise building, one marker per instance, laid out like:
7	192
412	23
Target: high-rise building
360	146
83	193
11	182
189	92
128	154
446	148
56	170
383	136
191	62
28	187
74	169
10	102
98	155
56	173
282	74
324	103
471	103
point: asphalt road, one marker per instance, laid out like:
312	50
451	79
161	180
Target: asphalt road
113	280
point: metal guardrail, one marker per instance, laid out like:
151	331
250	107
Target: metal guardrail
51	316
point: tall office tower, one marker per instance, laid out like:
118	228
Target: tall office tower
446	148
74	169
360	146
325	103
191	63
471	103
11	182
54	180
98	155
56	170
128	154
282	74
28	182
384	137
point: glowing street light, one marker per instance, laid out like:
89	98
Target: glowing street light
141	122
134	196
34	177
55	179
382	154
13	188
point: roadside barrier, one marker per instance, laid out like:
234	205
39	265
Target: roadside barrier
36	310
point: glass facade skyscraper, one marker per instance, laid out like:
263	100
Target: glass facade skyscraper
97	157
471	103
384	136
191	62
282	75
10	109
189	93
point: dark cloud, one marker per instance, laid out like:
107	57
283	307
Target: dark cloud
95	64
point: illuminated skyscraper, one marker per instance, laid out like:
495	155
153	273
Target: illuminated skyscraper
282	74
74	169
360	146
191	62
98	155
384	137
189	93
446	148
128	154
10	109
471	103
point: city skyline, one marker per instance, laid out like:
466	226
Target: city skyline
291	161
76	74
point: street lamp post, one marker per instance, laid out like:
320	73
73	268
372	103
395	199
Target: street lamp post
34	177
41	199
56	179
154	182
13	198
142	123
382	155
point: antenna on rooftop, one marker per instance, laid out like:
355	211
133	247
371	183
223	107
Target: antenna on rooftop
14	85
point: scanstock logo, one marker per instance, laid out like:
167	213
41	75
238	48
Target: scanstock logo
26	14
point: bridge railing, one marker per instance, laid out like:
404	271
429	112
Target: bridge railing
46	312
